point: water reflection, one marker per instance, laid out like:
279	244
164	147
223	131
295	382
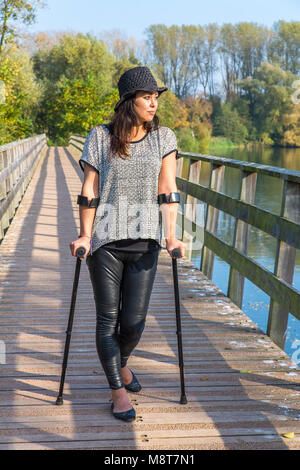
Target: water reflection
288	158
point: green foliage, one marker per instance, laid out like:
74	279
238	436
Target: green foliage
171	111
199	111
58	142
269	96
284	46
77	106
15	11
220	143
75	56
22	96
187	142
69	85
77	75
228	124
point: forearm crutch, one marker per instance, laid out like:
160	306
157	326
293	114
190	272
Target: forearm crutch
80	252
177	254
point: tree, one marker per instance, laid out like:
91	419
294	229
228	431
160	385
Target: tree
199	112
228	124
171	110
269	94
124	48
22	96
290	135
76	106
173	54
11	11
205	56
242	48
75	56
77	64
284	48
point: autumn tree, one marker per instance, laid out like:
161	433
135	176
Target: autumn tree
77	74
242	48
22	95
173	56
12	12
284	47
269	96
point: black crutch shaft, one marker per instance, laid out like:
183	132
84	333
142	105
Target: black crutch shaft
79	253
176	253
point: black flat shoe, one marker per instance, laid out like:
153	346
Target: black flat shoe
125	415
134	385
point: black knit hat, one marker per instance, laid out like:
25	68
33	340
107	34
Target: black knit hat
137	78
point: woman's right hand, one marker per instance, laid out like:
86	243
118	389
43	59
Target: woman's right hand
81	242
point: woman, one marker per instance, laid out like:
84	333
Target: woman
127	165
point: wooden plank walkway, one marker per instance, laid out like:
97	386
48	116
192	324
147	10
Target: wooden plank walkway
242	390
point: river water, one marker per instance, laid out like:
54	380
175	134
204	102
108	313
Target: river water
262	247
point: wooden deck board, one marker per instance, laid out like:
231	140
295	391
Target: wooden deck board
242	390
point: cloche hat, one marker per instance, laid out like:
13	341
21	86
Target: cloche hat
137	78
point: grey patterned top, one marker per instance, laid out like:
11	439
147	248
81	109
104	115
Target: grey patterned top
128	188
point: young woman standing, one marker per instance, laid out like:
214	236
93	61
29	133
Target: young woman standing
128	195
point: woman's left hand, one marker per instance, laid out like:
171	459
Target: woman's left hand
174	243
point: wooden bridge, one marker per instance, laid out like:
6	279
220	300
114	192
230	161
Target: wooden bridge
242	389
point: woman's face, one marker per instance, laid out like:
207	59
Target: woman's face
145	105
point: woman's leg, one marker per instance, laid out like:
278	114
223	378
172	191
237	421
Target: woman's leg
138	278
106	270
106	274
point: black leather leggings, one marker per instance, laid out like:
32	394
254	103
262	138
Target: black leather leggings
122	283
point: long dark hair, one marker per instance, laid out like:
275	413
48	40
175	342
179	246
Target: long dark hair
121	126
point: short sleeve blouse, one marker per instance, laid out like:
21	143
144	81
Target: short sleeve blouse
90	152
128	187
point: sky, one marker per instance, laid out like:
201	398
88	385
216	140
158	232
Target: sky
133	17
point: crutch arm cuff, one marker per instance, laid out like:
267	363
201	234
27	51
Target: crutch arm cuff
83	201
174	197
164	199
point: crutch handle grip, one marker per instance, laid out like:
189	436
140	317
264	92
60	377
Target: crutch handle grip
80	252
176	253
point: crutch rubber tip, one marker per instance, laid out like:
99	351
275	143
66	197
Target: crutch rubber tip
59	401
183	400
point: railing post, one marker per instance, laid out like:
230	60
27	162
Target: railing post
180	215
182	171
5	218
2	194
212	218
284	264
179	166
240	237
190	207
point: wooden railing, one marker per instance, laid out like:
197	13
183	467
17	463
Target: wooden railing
200	232
18	161
285	227
77	141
